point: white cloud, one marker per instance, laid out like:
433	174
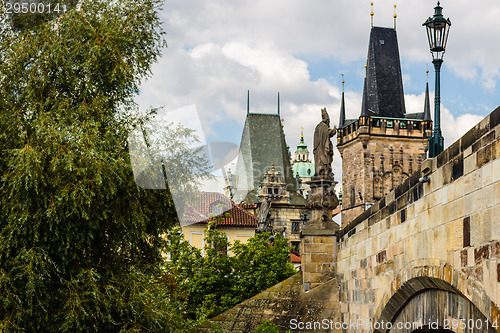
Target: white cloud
219	49
453	126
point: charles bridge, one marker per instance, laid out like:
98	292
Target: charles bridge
426	256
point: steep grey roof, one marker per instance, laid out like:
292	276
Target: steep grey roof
262	145
383	94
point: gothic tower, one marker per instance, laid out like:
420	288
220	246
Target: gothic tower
385	144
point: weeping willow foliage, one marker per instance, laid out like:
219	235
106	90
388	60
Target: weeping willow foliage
80	243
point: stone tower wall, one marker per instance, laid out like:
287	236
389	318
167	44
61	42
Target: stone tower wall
376	160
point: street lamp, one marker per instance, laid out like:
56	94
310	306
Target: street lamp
438	29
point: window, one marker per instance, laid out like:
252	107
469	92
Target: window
390	123
276	191
416	125
269	191
295	227
196	240
402	124
376	123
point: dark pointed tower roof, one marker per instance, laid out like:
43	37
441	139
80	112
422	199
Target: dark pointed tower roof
383	94
342	107
427	103
263	145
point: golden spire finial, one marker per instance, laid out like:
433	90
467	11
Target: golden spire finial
371	14
395	17
342	82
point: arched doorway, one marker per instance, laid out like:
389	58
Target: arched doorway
431	305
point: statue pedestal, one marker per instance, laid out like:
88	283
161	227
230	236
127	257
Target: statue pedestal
319	240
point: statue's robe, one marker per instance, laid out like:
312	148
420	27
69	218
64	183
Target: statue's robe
323	149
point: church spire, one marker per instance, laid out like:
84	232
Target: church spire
342	106
364	106
427	104
364	102
248	101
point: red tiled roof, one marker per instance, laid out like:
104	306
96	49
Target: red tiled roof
204	207
295	258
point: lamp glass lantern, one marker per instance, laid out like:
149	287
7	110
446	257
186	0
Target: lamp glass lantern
438	29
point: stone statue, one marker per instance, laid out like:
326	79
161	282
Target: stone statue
323	148
264	218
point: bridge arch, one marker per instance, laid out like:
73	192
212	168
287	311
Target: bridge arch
437	297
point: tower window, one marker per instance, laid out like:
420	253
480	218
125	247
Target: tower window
376	123
402	124
218	209
390	123
416	125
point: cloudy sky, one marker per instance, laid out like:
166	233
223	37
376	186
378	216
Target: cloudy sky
219	49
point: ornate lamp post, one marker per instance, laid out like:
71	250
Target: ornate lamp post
437	33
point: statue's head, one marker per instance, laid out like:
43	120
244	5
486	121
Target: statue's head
325	117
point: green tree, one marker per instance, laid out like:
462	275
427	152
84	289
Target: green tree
263	262
215	282
80	243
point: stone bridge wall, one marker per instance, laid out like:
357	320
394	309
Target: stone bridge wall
443	234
